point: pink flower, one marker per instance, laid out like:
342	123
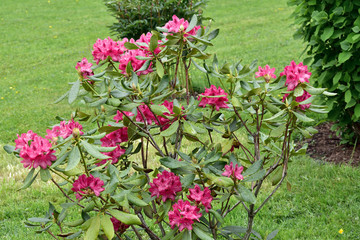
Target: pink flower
145	110
201	197
112	140
234	172
24	139
302	98
177	25
167	184
106	48
130	56
119	116
208	98
84	68
87	185
266	72
118	225
183	215
64	130
295	74
35	150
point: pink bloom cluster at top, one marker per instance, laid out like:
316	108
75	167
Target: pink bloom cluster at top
63	130
87	185
217	102
118	225
166	185
233	172
107	48
34	150
295	74
145	38
183	215
201	197
113	139
177	25
84	68
266	72
299	99
130	56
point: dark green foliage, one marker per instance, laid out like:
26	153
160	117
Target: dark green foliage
332	30
135	17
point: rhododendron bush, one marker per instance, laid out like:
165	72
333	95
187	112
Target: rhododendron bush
154	162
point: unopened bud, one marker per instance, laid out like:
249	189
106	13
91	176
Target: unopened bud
181	28
133	86
76	133
102	108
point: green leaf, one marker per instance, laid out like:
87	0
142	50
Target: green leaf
213	34
217	215
192	23
9	149
74	158
159	69
337	77
74	91
29	179
328	32
256	176
159	109
189	128
93	230
357	110
187	180
330	94
276	115
130	46
272	235
153	42
127	218
298	91
344	56
172	163
136	201
201	234
119	94
39	220
302	117
220	181
278	131
170	234
253	168
62	97
107	226
276	176
171	130
93	151
347	96
45	174
245	194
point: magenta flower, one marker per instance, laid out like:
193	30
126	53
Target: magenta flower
146	111
118	225
64	130
183	215
113	139
35	150
201	197
233	172
84	68
266	72
87	186
295	74
106	48
120	116
208	97
130	56
177	25
167	184
301	98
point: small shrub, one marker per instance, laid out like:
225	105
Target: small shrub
135	17
332	30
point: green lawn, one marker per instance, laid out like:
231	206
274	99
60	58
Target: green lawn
42	41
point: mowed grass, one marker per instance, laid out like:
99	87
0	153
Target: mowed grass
42	41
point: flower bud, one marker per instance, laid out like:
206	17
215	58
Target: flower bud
181	28
76	132
133	86
102	108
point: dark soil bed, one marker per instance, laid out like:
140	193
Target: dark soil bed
325	146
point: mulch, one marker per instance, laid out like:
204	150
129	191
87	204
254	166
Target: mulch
325	146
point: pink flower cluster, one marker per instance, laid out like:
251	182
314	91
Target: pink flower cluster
107	48
84	68
203	198
64	130
166	185
178	25
87	186
34	150
184	215
113	139
209	97
295	74
233	172
266	72
118	225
